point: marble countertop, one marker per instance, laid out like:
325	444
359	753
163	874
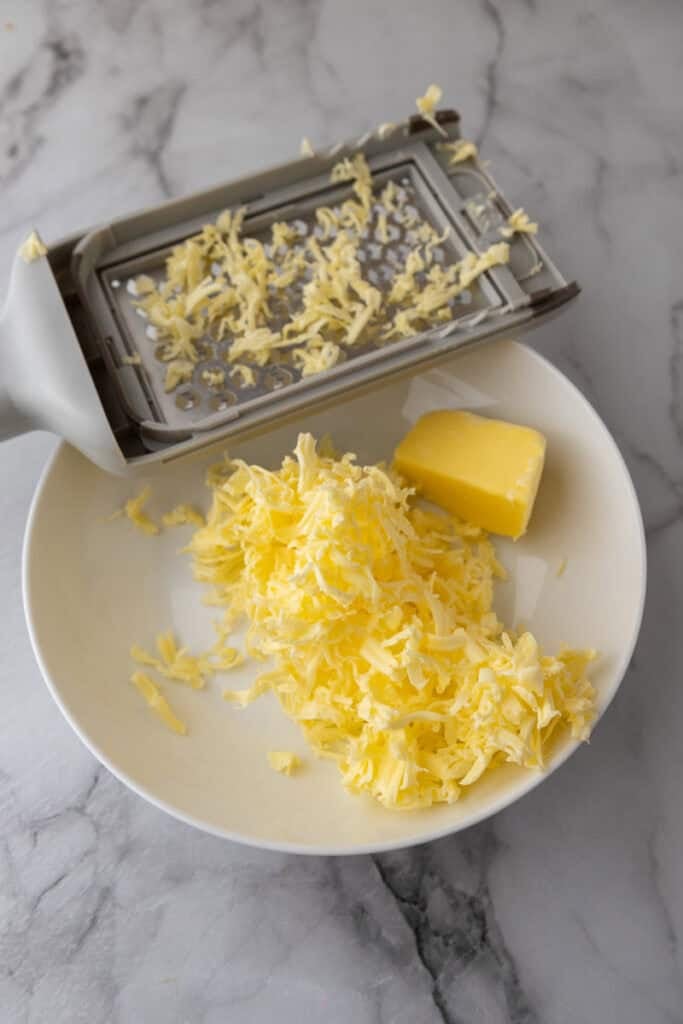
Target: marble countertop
568	907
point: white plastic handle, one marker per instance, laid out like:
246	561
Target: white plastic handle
45	383
12	422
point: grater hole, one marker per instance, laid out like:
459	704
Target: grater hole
218	403
215	332
277	377
204	349
186	399
160	353
279	307
151	332
281	357
204	374
240	383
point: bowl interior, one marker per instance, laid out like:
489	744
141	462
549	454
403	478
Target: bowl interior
93	586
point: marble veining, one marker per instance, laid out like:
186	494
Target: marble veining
565	909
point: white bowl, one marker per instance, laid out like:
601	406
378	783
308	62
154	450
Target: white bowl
93	586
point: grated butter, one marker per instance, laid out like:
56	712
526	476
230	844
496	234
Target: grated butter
377	618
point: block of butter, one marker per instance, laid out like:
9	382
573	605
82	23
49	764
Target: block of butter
484	470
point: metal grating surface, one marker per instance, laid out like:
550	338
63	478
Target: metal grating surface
195	400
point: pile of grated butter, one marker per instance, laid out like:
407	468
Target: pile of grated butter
377	618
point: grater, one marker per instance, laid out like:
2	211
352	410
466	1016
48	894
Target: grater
72	323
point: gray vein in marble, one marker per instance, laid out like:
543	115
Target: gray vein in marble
308	54
596	195
455	929
55	65
248	25
665	910
603	956
150	123
495	19
673	487
580	373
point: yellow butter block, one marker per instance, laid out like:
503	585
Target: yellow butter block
486	471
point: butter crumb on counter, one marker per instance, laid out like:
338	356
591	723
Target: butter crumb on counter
561	567
33	248
283	761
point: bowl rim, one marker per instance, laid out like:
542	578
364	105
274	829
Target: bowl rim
504	801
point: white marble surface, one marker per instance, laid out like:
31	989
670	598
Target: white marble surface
567	908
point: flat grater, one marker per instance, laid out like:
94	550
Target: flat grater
74	329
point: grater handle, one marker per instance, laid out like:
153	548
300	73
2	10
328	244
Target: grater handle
12	421
45	382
